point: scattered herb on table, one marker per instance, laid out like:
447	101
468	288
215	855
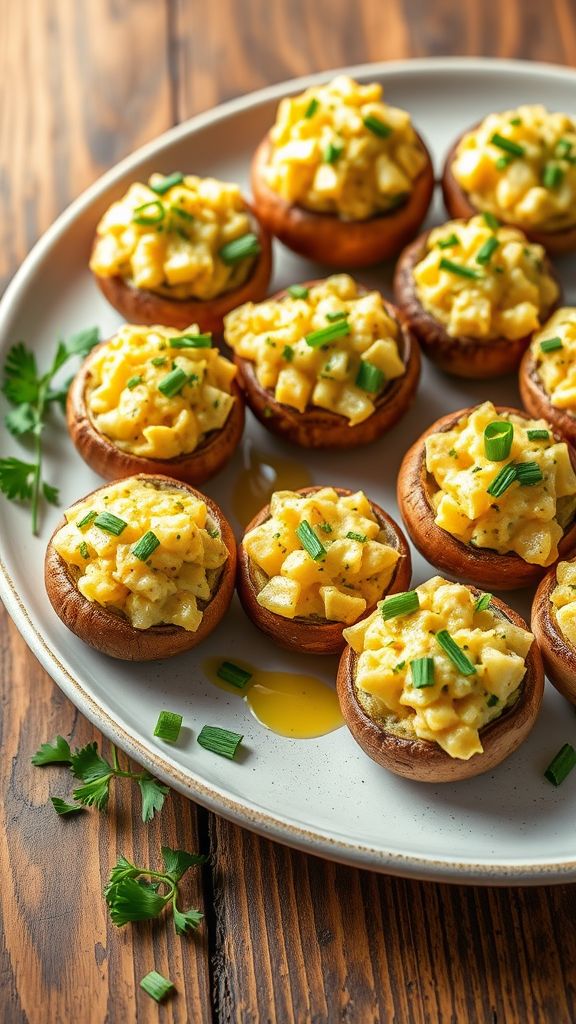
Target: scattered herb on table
131	897
157	986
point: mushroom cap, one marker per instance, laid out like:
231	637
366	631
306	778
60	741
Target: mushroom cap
537	400
558	654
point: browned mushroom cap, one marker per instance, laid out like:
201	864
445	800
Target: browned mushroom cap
461	356
320	428
460	561
459	204
141	306
558	654
423	760
312	636
326	238
111	632
111	462
537	400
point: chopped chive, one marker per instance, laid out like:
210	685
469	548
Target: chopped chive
168	726
332	152
219	741
86	520
360	537
552	176
369	377
316	339
181	212
422	672
487	250
134	382
503	162
298	291
490	220
482	603
110	523
538	435
400	604
551	344
325	527
492	700
61	807
173	382
377	126
146	546
507	145
156	985
457	268
83	549
240	249
498	437
155	216
158	361
563	148
234	675
455	653
516	121
502	481
288	353
447	243
341	315
311	108
529	473
309	541
167	183
561	765
192	341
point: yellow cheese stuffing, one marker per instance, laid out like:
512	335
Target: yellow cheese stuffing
527	520
176	252
338	148
276	336
453	710
563	597
533	186
129	376
349	575
179	578
557	368
503	291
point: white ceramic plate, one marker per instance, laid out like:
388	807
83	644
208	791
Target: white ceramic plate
323	795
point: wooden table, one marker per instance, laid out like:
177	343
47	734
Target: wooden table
287	937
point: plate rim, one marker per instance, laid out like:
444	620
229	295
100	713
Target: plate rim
245	813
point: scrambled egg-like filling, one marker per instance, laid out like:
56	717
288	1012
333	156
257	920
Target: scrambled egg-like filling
174	242
521	165
563	597
155	394
484	281
327	345
345	568
527	518
174	583
448	708
338	148
556	363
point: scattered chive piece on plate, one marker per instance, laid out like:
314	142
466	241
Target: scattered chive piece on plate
134	382
498	437
219	741
551	344
146	546
455	653
447	243
240	248
168	726
529	473
83	549
192	341
309	541
513	148
341	315
149	219
482	603
487	250
234	675
502	481
552	176
457	268
326	334
360	537
332	152
86	520
173	382
538	435
288	353
156	985
369	377
167	183
422	672
376	126
561	765
491	220
110	523
298	291
311	108
400	604
61	807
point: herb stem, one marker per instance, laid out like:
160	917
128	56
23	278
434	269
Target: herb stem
36	487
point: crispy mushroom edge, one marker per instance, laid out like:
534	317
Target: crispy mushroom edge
558	654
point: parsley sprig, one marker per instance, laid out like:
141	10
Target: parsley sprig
96	774
130	897
32	394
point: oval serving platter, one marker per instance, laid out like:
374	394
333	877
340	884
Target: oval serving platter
321	795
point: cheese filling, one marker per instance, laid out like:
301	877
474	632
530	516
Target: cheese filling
527	518
521	165
157	393
446	707
563	598
328	345
556	362
345	568
173	242
482	280
339	149
107	557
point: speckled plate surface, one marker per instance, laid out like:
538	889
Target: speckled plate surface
322	795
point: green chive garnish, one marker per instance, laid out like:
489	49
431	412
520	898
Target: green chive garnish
400	604
240	249
173	382
83	549
86	520
492	700
507	145
325	527
447	243
502	481
168	726
482	602
181	212
156	986
298	291
491	221
563	148
311	108
538	435
110	523
155	214
360	537
529	473
219	741
369	377
192	341
457	268
422	672
309	541
158	361
134	382
455	653
332	152
503	162
487	250
552	176
376	126
167	183
288	353
498	437
146	546
316	339
561	766
551	344
333	317
516	121
234	675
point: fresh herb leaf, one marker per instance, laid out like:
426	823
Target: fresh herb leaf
61	807
186	920
21	382
177	862
21	420
131	898
17	479
57	752
154	794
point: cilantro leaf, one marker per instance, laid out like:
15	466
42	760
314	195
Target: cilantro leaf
52	494
79	344
131	898
177	862
21	381
153	796
61	807
53	753
94	793
123	868
186	920
59	395
88	765
129	901
17	479
21	420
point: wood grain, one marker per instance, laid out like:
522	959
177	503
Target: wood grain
287	937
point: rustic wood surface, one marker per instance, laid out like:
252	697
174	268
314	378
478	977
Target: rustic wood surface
287	938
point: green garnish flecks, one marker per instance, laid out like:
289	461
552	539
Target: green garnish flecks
369	378
110	523
310	541
455	653
146	546
157	986
498	438
508	145
240	249
168	182
400	604
459	270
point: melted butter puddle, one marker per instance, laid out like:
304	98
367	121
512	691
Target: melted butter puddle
261	476
299	706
